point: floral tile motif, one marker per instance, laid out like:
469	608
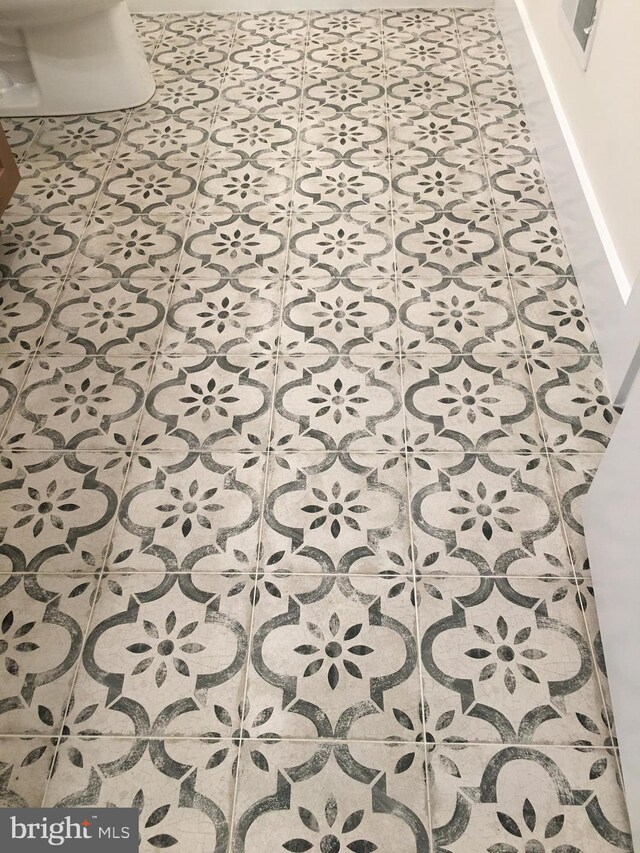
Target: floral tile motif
119	245
144	186
187	512
242	135
196	91
430	92
341	245
345	90
332	133
233	244
13	369
66	187
576	409
178	640
197	56
256	94
506	661
181	800
464	314
552	316
448	243
68	137
548	798
500	88
533	244
234	186
328	403
116	318
42	625
330	796
239	315
505	133
434	134
162	134
68	403
342	185
25	308
331	657
518	183
210	404
435	184
482	402
354	316
333	512
58	510
38	246
574	475
487	514
24	769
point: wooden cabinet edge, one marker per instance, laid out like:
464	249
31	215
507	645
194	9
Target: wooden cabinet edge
9	174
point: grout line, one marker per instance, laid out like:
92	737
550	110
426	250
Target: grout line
405	439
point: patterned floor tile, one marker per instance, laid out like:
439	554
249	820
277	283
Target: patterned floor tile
163	654
69	403
233	244
65	187
331	133
435	184
71	136
34	247
239	315
576	409
162	134
327	184
25	308
435	135
464	314
241	134
187	512
552	316
118	245
331	797
333	512
312	387
464	242
356	316
211	404
518	183
341	245
331	657
234	186
506	661
482	402
25	764
533	244
58	510
13	369
181	800
116	318
42	627
348	403
483	514
144	186
574	475
502	797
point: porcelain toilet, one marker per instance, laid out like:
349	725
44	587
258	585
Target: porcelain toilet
65	57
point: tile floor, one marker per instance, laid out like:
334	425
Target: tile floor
299	402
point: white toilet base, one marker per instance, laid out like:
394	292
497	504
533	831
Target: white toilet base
92	64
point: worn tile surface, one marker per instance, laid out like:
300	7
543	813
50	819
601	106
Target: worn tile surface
299	403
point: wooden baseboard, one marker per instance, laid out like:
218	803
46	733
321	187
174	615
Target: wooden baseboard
9	174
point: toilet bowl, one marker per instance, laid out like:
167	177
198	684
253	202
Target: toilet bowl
66	57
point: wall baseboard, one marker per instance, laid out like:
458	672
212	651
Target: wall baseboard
572	197
157	7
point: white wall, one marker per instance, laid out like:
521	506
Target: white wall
602	107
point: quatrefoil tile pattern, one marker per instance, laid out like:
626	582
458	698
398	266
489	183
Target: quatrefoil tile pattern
299	403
